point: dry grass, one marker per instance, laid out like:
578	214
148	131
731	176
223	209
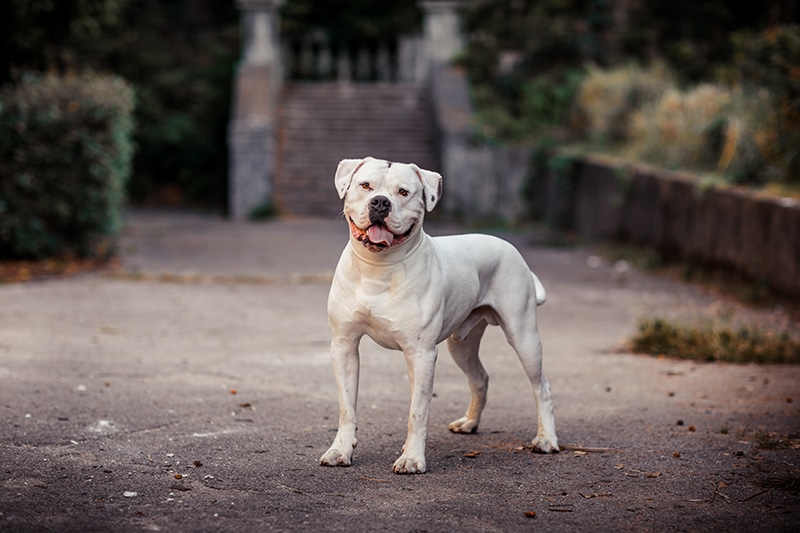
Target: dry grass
710	128
708	340
607	99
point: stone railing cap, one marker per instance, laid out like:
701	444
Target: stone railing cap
258	5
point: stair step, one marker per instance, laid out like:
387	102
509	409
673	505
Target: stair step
322	123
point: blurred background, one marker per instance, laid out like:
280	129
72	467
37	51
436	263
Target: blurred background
524	59
710	86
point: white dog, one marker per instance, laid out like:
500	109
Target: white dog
409	292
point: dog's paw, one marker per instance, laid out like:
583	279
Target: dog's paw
409	465
336	457
545	444
463	425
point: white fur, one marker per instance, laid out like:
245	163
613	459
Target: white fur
419	292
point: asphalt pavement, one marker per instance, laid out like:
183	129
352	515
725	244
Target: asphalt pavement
190	389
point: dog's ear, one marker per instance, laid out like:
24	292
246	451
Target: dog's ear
431	186
344	173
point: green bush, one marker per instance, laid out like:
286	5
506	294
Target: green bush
542	108
65	157
178	55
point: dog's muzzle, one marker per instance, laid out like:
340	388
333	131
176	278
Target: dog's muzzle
377	237
379	208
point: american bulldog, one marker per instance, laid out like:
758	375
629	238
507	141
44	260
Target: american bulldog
409	291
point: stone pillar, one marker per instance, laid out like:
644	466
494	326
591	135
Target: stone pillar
442	30
252	130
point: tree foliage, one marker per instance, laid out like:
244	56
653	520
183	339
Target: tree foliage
347	22
45	35
178	54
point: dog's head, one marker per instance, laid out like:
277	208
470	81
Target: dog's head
385	202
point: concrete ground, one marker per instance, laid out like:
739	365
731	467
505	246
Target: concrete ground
190	389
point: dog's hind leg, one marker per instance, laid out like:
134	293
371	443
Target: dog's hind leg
463	346
526	342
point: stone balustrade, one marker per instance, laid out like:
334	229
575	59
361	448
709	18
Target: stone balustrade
315	58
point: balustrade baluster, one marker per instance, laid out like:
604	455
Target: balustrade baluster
307	66
383	64
287	56
343	68
363	64
324	60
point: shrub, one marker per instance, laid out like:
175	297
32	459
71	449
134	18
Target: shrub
607	99
673	131
771	59
541	109
709	128
547	99
65	156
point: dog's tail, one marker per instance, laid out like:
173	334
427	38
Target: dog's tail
541	294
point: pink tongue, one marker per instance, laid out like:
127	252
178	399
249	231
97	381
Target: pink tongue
379	234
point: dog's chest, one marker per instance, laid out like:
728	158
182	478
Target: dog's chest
382	310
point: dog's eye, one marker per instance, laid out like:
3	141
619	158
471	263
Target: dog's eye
402	192
366	186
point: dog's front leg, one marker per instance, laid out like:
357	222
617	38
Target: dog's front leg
345	360
421	367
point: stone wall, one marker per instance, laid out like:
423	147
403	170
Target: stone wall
481	182
753	234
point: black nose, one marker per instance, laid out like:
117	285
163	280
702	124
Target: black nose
379	207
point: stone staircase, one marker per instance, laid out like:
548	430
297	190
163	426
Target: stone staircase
321	123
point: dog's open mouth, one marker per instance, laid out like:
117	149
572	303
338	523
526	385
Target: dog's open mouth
377	237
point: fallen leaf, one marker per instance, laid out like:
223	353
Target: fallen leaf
645	474
530	514
472	454
596	495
